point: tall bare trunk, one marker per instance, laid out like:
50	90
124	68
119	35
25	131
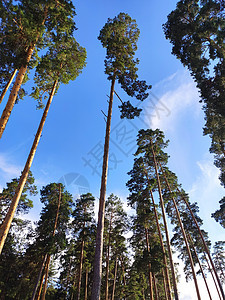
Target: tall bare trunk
166	275
80	270
95	293
166	227
7	85
114	280
212	274
39	277
184	235
165	284
46	277
23	178
42	281
205	246
149	266
14	92
200	265
86	285
107	260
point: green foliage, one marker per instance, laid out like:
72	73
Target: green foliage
219	259
219	215
25	203
196	30
119	36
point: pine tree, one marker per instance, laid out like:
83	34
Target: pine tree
119	37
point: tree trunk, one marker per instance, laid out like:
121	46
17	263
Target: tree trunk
166	275
80	270
14	92
95	293
212	274
10	214
107	260
155	287
165	284
184	235
114	280
86	285
149	266
46	277
53	234
39	277
7	85
123	271
41	282
205	246
200	265
166	227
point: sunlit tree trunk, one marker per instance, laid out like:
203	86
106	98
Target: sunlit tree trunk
95	294
39	277
46	277
184	235
23	178
166	227
7	85
155	287
166	271
107	260
80	270
205	246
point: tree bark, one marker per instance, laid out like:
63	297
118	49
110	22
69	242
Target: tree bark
46	277
123	271
200	265
41	281
149	266
114	280
7	85
107	260
95	294
14	92
86	285
80	270
165	284
205	246
184	235
166	275
165	226
10	214
39	277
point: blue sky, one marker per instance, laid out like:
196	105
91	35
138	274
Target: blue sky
74	131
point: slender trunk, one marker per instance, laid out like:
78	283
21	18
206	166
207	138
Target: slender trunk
46	277
123	271
10	214
15	90
165	284
166	275
107	260
41	282
155	287
200	265
39	277
86	285
53	234
80	270
73	287
205	246
214	280
184	236
7	85
114	280
149	266
166	227
95	293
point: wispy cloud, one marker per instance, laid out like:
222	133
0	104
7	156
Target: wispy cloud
7	167
175	94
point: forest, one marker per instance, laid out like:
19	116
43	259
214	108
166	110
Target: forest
104	241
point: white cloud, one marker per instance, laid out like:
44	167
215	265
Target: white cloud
175	94
8	168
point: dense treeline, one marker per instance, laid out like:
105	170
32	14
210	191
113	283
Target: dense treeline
67	254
